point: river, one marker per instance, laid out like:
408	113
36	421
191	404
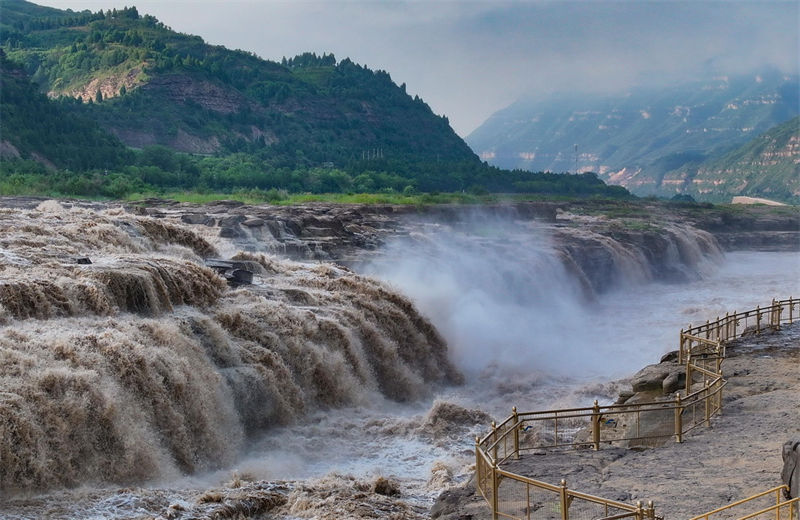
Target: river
519	329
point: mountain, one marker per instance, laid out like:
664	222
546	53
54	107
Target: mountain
156	86
58	137
149	109
635	139
767	166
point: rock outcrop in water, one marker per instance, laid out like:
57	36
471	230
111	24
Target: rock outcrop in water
143	363
601	252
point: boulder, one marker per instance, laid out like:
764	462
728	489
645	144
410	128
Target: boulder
253	222
623	397
654	377
669	356
231	232
277	229
790	475
197	218
231	220
673	382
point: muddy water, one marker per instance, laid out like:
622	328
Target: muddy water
296	395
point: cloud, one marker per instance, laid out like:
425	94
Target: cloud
468	59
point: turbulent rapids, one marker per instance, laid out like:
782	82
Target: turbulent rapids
144	364
330	386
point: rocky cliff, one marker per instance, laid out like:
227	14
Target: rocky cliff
637	139
767	166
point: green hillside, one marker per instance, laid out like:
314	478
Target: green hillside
203	117
767	166
207	99
35	127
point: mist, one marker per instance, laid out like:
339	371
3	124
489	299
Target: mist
499	292
496	290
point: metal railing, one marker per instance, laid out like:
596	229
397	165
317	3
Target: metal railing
701	348
738	324
781	509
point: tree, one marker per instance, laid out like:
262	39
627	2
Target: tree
98	97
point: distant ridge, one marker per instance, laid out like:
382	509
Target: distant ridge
767	166
635	139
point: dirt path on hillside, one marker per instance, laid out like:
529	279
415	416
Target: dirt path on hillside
735	458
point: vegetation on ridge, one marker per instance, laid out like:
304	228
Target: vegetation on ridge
205	118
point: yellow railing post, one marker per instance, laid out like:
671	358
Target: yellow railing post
494	443
678	418
758	319
478	480
516	431
651	510
708	404
689	375
777	502
772	314
563	497
495	489
639	510
596	425
727	326
680	349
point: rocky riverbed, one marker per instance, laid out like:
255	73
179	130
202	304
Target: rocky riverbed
600	243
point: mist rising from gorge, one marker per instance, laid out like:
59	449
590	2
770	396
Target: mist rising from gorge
508	297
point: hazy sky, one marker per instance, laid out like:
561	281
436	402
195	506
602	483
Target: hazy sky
468	59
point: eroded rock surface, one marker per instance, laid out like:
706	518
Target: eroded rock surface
738	456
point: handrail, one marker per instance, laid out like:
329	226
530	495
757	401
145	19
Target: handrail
740	502
790	503
778	504
701	347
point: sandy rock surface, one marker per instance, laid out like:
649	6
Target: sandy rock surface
737	457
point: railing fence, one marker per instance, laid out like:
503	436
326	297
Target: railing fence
701	349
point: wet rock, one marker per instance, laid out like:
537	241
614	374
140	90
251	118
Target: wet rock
318	232
154	212
253	222
791	466
231	232
277	229
386	487
197	218
448	419
669	356
232	220
652	377
447	505
673	382
623	397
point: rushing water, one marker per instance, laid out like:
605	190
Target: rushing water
355	377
